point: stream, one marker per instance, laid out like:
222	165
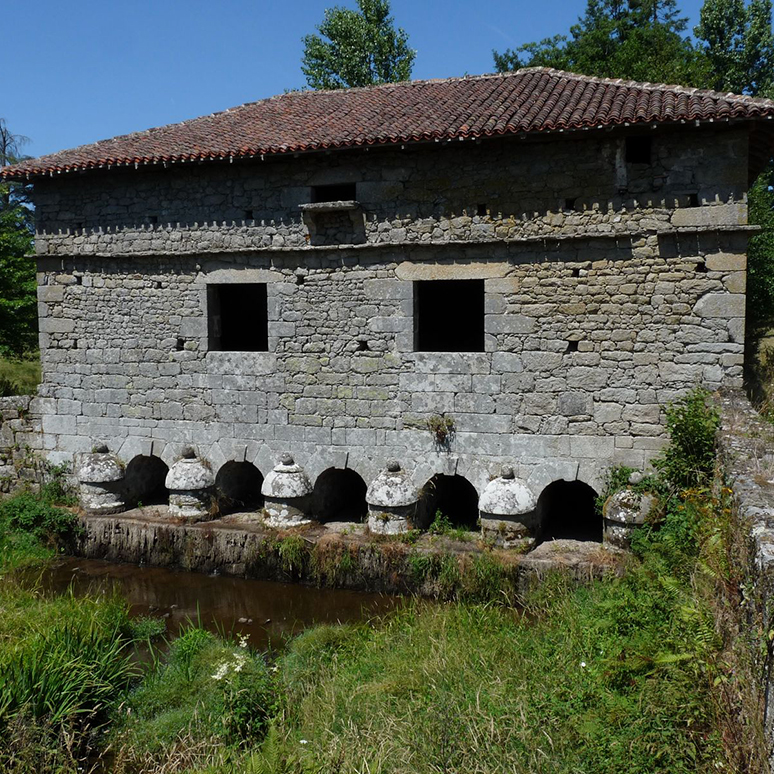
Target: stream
269	612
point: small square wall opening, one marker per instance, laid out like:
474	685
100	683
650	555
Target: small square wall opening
237	317
639	149
338	192
449	316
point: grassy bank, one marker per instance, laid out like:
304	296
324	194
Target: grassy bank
645	672
19	377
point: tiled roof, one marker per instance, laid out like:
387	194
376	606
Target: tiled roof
530	100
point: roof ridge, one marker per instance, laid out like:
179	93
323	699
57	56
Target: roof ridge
650	85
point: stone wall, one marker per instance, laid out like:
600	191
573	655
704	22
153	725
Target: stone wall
606	294
20	440
507	189
746	445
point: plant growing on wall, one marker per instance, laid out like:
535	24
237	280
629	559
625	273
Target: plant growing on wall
442	429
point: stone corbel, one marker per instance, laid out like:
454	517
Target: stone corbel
309	213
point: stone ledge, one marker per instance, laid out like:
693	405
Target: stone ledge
232	546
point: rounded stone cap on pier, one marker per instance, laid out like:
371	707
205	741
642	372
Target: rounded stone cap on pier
507	495
392	488
189	474
286	480
100	467
628	507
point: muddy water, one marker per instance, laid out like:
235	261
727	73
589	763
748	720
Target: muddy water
269	612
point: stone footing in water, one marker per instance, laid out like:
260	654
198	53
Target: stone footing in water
351	558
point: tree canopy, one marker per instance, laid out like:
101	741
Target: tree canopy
357	48
18	305
646	40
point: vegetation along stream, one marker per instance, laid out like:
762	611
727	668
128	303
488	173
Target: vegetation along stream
643	671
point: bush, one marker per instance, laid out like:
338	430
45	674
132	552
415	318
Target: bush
30	513
692	423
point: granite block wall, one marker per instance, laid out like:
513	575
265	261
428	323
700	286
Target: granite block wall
609	288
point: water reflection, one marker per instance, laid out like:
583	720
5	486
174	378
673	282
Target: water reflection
269	612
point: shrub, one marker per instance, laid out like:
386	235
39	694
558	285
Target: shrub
689	459
29	513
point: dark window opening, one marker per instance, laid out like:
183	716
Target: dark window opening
701	268
569	204
449	316
339	192
75	344
157	285
362	346
638	149
237	317
180	345
572	346
454	497
693	200
238	486
339	495
567	511
576	272
481	210
299	279
78	279
144	482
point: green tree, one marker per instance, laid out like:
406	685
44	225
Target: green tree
738	45
18	305
638	39
357	48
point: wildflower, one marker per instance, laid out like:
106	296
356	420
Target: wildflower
221	671
303	741
243	640
583	664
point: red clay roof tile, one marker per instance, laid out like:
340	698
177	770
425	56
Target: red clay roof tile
531	100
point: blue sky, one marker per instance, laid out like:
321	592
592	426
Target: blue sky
77	71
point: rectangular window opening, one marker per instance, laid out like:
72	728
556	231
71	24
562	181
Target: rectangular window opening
237	317
339	192
449	316
638	149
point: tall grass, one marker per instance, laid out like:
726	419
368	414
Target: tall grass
64	662
19	377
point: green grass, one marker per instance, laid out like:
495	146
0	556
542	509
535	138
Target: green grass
618	675
205	700
19	377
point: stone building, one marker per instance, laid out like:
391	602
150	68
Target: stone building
453	275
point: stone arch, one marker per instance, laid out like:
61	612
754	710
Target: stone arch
238	487
339	495
454	496
144	481
567	510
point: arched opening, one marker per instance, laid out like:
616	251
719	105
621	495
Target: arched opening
144	482
567	510
339	495
454	497
238	486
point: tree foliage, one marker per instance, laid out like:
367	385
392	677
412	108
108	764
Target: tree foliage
18	306
357	48
645	40
738	45
639	39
